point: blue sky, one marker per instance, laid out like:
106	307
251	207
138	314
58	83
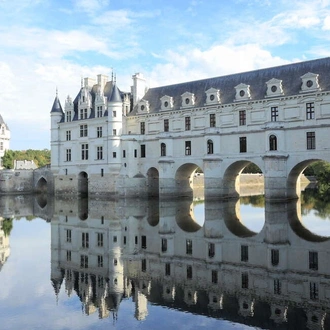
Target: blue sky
48	44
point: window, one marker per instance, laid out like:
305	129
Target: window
124	153
214	276
142	127
99	153
273	113
272	142
143	242
144	265
83	261
211	250
277	286
99	239
310	136
1	145
68	235
188	148
275	257
313	290
115	262
102	172
163	149
310	111
242	144
212	120
313	260
164	244
114	239
168	269
84	151
209	147
68	116
83	114
188	246
187	123
85	240
114	154
99	261
244	253
68	155
99	132
124	240
83	130
189	272
68	135
114	132
68	255
114	114
242	117
245	280
135	153
100	283
166	125
99	111
143	150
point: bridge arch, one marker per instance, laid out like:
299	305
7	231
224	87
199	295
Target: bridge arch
153	182
184	179
41	186
83	183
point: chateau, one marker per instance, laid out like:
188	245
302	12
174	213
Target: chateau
149	142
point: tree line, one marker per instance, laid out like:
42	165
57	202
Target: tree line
40	157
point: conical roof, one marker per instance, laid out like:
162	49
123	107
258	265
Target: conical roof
115	94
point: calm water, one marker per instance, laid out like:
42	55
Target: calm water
134	264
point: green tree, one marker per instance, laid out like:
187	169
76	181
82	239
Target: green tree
40	157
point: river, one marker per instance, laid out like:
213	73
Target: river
136	264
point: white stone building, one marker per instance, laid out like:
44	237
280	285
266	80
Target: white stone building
150	143
4	138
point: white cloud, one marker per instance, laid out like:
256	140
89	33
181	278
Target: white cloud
192	63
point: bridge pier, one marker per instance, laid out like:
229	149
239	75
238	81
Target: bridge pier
275	177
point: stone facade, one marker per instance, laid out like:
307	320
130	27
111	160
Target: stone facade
4	138
149	143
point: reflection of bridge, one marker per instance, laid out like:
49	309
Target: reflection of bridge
108	251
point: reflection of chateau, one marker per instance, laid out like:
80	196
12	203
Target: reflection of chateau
4	245
155	252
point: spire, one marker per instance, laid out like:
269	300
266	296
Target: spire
115	94
57	105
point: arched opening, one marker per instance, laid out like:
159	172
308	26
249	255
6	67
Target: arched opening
153	182
189	179
243	178
41	186
163	149
83	183
185	217
209	147
272	143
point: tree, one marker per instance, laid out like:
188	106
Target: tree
7	226
40	157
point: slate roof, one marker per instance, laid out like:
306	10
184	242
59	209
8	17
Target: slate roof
57	105
2	122
289	74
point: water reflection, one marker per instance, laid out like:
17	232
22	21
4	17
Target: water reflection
159	253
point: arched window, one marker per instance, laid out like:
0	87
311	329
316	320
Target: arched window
272	142
163	149
209	147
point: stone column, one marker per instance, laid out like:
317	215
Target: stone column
212	178
167	182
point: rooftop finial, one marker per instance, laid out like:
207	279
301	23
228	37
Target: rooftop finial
56	92
112	75
115	78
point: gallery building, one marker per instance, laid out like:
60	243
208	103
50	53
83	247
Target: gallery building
149	142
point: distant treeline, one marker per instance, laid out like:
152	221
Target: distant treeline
40	157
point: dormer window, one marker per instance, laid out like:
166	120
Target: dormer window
188	100
143	106
274	87
212	96
309	82
166	102
242	92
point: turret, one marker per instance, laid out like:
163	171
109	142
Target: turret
56	115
